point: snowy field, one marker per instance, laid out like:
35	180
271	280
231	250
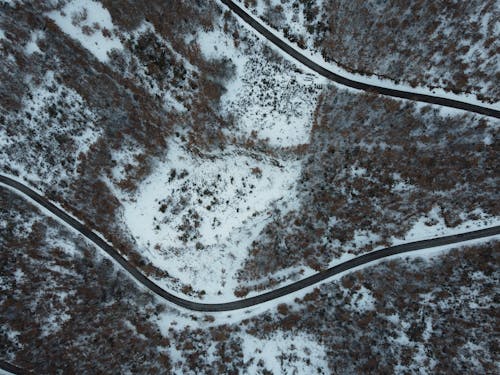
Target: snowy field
90	23
196	216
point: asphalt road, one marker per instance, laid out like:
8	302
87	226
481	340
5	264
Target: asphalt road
11	368
25	191
349	82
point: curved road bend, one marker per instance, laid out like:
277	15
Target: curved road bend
349	82
10	368
22	189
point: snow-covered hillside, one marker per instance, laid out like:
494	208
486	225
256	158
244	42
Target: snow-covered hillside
212	205
436	46
220	168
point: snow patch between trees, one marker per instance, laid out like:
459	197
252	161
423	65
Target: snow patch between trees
195	217
284	354
432	225
269	98
45	139
90	23
32	46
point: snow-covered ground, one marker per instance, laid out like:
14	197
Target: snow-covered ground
196	216
432	225
32	46
44	134
316	57
268	97
90	23
283	354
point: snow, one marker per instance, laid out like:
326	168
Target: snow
90	23
53	323
374	80
432	225
2	34
32	47
212	207
284	354
362	237
400	184
363	299
50	91
358	171
53	117
402	339
193	208
124	157
426	335
276	104
488	140
19	275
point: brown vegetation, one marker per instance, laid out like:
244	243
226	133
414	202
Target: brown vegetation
376	165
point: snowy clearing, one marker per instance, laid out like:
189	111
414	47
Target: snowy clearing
90	23
192	208
269	98
213	207
284	354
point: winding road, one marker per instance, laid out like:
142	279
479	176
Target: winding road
90	235
288	49
26	191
